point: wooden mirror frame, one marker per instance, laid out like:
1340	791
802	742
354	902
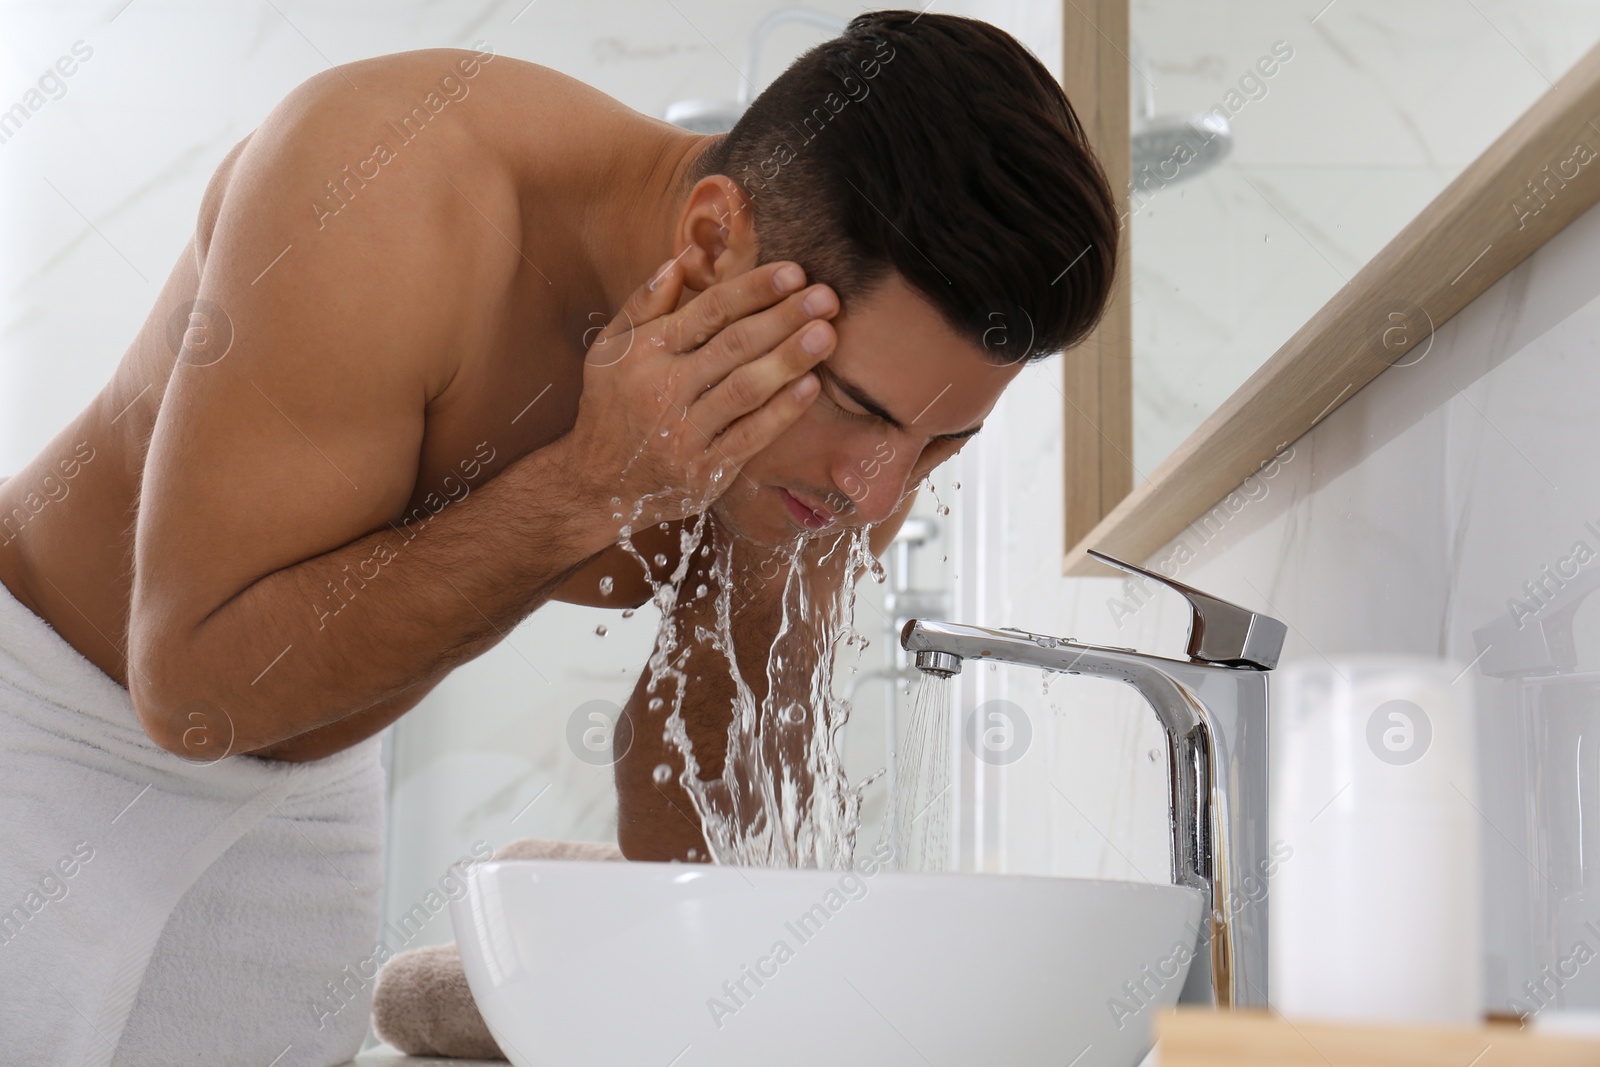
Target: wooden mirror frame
1539	175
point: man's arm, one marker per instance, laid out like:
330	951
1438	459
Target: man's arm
628	586
274	475
656	821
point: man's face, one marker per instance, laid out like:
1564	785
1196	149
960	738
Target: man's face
901	393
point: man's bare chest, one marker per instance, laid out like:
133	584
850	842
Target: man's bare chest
515	392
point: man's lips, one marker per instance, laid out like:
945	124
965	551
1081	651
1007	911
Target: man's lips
807	514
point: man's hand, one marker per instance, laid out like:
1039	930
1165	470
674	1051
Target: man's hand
678	401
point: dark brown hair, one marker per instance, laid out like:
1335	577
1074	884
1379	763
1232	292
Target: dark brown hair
939	148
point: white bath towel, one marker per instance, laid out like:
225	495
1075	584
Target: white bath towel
158	911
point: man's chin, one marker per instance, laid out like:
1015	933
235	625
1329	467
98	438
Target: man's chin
759	530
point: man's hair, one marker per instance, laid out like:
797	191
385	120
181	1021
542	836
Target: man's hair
939	148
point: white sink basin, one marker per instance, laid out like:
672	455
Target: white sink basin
641	964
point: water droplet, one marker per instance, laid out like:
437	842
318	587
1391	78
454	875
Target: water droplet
627	614
944	559
944	509
600	631
661	559
655	703
693	853
955	485
606	585
666	431
700	590
626	531
1154	754
994	667
1265	238
615	515
661	525
616	501
793	714
662	774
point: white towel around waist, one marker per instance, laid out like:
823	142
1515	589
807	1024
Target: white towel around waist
155	910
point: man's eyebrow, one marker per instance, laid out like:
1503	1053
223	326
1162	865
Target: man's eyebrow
872	407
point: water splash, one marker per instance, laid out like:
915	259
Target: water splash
782	798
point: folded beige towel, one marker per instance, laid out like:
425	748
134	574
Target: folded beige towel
422	1005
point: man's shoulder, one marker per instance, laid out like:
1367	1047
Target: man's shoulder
505	102
362	152
349	121
364	203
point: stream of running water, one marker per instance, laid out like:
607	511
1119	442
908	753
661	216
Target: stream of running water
919	808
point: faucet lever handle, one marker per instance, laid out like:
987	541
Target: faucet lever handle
1219	632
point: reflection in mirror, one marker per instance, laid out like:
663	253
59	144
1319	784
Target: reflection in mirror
1344	118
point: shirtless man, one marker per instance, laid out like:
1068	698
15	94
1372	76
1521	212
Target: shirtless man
432	338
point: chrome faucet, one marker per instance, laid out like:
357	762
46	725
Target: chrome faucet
1213	708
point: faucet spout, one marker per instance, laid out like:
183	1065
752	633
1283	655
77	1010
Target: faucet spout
941	647
1214	715
941	664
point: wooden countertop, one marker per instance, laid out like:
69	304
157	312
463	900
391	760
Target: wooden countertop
1190	1037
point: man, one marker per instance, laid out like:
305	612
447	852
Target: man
446	319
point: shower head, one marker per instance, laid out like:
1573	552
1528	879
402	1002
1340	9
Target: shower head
1172	148
1186	147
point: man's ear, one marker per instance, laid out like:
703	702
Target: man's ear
716	233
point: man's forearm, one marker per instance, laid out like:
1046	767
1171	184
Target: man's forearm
315	643
350	730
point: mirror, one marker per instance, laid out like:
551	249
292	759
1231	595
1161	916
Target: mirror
1331	125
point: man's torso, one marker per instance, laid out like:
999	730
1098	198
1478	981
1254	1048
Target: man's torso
513	147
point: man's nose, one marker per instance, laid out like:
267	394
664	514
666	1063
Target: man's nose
874	478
